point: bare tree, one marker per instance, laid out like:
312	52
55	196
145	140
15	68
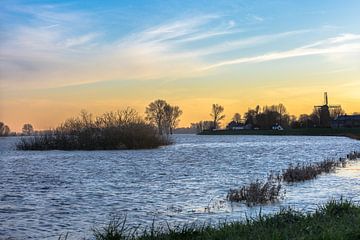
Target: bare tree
155	113
86	118
315	117
216	114
282	111
4	130
27	129
251	114
2	126
163	115
171	119
119	118
237	117
334	112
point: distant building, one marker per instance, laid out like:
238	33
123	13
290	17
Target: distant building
346	121
248	126
277	127
235	126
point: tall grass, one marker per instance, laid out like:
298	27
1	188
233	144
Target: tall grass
353	155
114	130
257	192
308	171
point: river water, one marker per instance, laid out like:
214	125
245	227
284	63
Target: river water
47	193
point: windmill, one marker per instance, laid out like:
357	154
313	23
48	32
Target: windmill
324	111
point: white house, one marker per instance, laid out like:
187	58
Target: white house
278	128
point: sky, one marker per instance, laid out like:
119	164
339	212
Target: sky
60	57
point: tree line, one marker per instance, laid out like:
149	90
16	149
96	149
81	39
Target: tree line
165	117
265	118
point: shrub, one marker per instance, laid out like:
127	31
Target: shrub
114	130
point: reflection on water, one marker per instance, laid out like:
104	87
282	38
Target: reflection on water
43	194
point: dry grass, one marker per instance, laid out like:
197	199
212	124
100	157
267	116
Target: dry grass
257	192
308	171
353	155
303	172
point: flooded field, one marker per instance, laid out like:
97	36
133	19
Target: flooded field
44	194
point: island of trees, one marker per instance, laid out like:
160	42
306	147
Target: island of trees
123	129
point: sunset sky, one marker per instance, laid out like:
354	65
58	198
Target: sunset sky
59	57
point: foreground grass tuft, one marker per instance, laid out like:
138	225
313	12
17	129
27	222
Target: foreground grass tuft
334	220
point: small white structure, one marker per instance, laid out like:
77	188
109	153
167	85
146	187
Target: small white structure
238	128
277	128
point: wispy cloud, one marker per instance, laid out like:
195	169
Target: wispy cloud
345	38
79	40
325	47
58	54
58	48
246	42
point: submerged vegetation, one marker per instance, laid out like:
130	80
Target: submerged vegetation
334	220
303	172
353	155
259	192
123	129
256	192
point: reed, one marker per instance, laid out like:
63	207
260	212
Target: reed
257	192
308	171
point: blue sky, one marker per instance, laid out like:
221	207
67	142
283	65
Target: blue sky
179	50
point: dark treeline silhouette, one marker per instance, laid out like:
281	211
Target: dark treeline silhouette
123	129
264	118
268	116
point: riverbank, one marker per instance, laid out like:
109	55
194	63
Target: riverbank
343	132
334	220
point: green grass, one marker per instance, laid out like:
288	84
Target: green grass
334	220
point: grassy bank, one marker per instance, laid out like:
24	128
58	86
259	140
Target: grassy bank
345	132
334	220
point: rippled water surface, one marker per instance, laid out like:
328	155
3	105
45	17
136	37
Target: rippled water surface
44	194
